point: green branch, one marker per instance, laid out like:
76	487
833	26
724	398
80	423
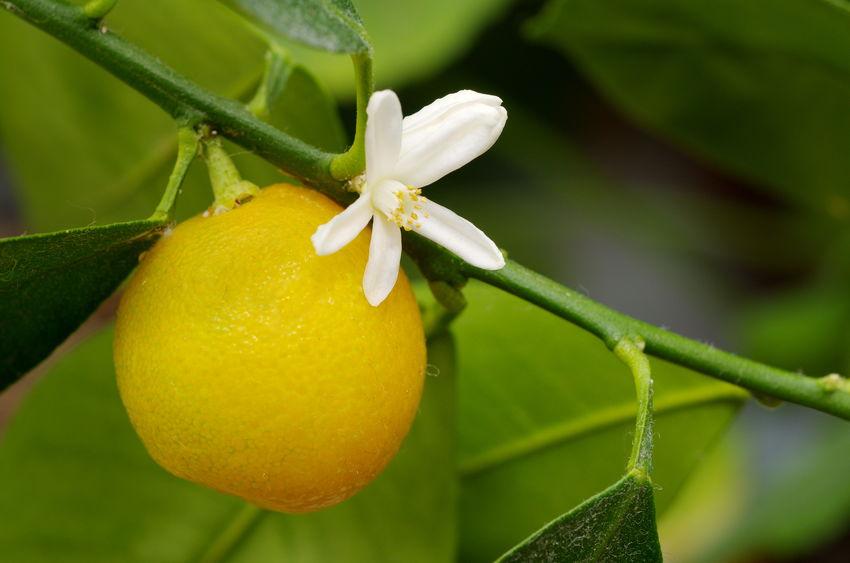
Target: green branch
611	326
191	105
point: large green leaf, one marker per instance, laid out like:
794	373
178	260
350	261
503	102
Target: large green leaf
617	525
50	284
330	25
759	87
546	417
77	485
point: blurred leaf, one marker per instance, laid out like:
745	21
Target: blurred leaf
775	525
803	329
760	88
77	485
618	524
546	415
51	283
708	506
298	105
330	25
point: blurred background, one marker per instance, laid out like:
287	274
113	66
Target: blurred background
684	162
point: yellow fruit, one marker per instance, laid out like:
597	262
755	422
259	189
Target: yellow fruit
251	365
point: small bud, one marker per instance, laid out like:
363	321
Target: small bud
833	382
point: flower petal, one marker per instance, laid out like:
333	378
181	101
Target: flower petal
343	228
447	134
383	135
455	233
384	258
440	106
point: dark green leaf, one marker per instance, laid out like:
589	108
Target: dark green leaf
50	283
618	524
330	25
547	415
297	104
76	485
761	87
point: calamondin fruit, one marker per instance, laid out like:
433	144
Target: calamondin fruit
404	155
254	355
249	364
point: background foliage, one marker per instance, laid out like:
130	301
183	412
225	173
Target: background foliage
684	161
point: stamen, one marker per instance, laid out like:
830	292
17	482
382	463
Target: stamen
407	211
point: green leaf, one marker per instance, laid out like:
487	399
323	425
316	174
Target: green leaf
71	462
546	417
808	482
618	524
50	283
329	25
760	88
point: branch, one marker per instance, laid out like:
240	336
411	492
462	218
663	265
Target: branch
189	104
829	394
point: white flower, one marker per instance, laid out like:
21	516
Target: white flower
403	156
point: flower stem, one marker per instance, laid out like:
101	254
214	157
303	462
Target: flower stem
187	149
353	161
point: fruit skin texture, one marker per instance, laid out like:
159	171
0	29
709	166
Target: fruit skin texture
251	365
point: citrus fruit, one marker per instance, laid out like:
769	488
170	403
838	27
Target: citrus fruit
249	364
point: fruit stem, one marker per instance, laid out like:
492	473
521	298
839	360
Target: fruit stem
228	186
